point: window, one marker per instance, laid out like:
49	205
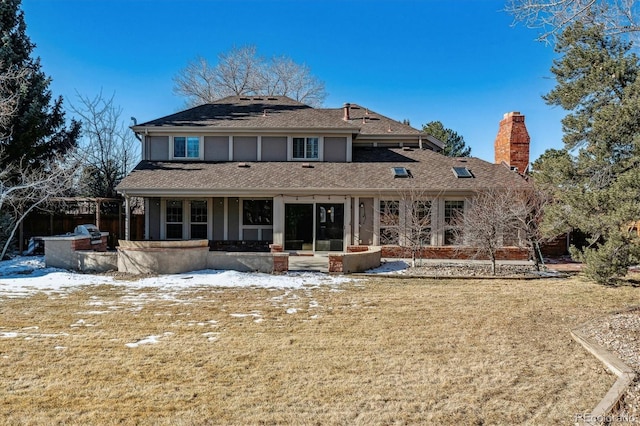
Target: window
400	172
305	148
198	219
419	222
453	211
257	212
186	147
462	172
389	222
174	220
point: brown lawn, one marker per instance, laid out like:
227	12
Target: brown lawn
372	352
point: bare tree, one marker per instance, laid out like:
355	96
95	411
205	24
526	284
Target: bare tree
552	16
285	77
22	190
484	226
108	148
241	71
406	221
528	208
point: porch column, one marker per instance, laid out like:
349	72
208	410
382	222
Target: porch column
127	221
348	234
356	221
278	220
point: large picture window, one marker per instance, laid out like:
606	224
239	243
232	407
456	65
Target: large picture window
186	147
305	148
257	212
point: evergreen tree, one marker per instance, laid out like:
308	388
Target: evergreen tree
37	131
454	145
596	178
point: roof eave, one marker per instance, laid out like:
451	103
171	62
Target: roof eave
227	130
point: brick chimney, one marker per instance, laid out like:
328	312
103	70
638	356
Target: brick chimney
512	143
347	108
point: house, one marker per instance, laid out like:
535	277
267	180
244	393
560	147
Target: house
249	173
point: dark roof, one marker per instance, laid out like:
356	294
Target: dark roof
370	172
273	112
372	123
252	112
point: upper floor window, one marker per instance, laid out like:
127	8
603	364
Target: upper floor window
305	148
186	147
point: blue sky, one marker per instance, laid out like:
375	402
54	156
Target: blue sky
457	61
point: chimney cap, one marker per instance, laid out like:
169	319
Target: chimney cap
511	114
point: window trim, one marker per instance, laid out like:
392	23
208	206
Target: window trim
290	152
190	222
166	222
186	218
259	227
186	157
395	227
445	226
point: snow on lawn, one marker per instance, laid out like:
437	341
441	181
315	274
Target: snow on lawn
390	267
24	276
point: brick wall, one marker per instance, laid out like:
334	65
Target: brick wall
85	244
280	263
512	142
335	263
451	252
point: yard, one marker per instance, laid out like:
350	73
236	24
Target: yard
374	351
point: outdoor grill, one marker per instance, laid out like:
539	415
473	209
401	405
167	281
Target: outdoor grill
89	230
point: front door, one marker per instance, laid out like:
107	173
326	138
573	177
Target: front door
329	227
298	227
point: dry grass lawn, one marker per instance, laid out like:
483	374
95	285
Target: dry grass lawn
371	352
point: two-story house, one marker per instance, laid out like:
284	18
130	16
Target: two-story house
246	172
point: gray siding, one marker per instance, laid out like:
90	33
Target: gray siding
274	148
154	219
250	234
218	219
157	148
245	148
335	149
366	221
216	148
233	220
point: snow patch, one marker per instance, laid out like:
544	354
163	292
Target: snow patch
148	340
25	276
390	267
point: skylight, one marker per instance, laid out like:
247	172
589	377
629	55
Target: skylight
462	172
400	172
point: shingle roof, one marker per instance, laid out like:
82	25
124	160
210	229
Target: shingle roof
253	112
370	173
273	112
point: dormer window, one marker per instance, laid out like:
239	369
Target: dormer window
305	148
186	147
